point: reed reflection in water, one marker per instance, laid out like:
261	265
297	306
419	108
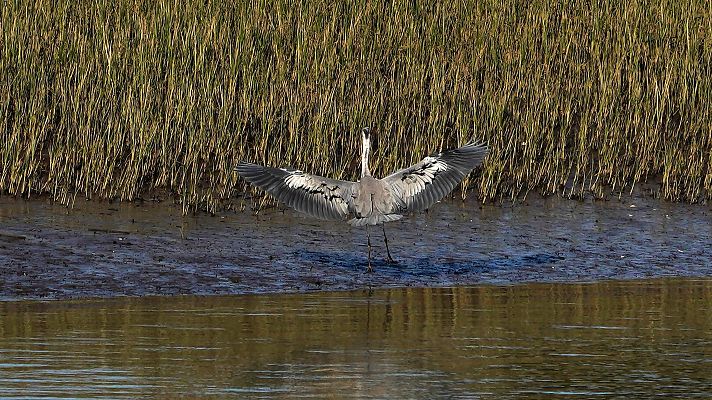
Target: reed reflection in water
634	338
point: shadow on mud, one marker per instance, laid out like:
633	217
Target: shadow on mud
425	267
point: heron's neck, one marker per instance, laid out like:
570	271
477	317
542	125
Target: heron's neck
364	157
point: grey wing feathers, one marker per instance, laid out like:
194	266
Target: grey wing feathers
428	181
311	194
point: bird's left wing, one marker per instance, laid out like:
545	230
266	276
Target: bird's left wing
427	182
314	195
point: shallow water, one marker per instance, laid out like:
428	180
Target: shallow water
101	250
638	339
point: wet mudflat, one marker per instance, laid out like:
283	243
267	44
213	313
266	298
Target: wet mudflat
99	249
612	339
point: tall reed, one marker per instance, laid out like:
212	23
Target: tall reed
118	99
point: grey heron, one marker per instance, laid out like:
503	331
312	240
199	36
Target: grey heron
369	201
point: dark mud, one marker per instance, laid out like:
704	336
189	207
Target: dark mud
100	249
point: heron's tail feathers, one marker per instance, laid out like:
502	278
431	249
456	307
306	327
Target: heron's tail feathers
374	219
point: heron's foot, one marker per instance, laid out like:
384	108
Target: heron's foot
390	260
369	269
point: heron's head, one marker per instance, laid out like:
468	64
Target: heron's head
366	132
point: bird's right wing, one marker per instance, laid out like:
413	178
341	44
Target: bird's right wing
427	182
314	195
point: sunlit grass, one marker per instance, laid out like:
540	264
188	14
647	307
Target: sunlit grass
119	99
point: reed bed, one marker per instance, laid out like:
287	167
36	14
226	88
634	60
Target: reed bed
119	99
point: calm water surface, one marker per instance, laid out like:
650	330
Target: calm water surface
638	339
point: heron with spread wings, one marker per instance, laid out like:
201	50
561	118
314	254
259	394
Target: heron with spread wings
369	201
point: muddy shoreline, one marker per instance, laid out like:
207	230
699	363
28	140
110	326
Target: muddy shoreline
101	249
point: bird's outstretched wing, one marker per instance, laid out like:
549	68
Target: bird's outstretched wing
427	182
311	194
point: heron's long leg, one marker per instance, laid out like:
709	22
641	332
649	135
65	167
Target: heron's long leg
385	239
368	235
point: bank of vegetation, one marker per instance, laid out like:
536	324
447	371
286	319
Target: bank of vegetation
119	99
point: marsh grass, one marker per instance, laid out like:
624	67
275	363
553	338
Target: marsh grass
118	99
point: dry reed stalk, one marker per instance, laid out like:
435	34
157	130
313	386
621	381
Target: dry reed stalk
117	99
